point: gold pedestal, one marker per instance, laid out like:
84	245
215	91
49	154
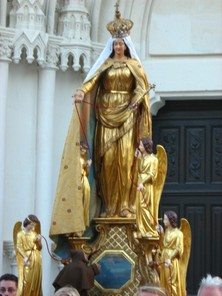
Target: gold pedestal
125	260
77	243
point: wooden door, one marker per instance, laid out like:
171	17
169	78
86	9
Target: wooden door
191	132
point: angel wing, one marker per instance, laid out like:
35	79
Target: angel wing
184	260
17	228
161	177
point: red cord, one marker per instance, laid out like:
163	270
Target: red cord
82	128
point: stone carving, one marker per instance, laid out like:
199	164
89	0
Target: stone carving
5	47
27	14
27	33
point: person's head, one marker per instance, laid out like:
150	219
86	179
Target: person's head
210	286
8	284
67	291
170	218
146	144
151	290
30	221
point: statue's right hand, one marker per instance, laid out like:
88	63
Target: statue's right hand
159	229
38	238
167	262
140	187
26	261
138	154
78	96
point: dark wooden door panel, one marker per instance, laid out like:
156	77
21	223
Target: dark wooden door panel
191	132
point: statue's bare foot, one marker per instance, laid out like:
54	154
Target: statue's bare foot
139	235
148	234
125	213
103	215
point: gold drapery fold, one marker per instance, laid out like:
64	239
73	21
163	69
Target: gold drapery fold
67	216
172	248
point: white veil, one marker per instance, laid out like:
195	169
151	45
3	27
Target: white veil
107	52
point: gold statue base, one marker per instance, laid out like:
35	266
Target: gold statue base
125	260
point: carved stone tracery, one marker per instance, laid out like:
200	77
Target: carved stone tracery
27	15
5	47
27	22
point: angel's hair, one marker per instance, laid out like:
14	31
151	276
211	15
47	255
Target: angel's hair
30	219
147	143
210	282
67	291
172	216
152	289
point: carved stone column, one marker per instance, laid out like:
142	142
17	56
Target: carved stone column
3	9
50	16
5	55
10	252
44	162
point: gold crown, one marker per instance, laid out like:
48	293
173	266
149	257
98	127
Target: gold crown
120	27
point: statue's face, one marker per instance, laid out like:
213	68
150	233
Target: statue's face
119	46
166	220
30	226
82	150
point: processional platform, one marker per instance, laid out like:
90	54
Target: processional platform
125	260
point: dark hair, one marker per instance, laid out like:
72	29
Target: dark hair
9	277
148	144
126	52
30	219
172	216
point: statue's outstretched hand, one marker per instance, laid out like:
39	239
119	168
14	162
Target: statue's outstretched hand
78	96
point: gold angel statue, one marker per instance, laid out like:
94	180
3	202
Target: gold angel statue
85	164
152	170
27	243
175	247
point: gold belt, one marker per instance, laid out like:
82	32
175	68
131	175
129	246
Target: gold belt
118	92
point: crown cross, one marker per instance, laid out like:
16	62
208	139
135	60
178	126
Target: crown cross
117	5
